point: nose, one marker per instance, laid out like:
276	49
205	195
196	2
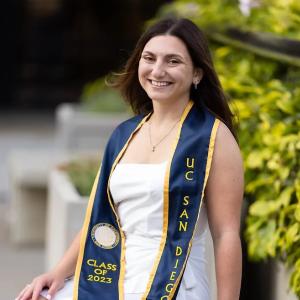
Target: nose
158	70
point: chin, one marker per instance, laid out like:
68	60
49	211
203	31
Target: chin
159	98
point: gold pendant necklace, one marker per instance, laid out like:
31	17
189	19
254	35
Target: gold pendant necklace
150	139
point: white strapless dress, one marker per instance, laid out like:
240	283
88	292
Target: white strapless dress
137	190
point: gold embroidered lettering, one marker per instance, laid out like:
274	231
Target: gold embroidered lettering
178	251
169	287
183	226
172	277
100	271
92	262
112	267
184	214
189	175
186	200
176	264
102	265
190	162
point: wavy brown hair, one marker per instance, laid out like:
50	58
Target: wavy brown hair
209	91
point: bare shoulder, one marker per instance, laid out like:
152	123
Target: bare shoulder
227	165
226	150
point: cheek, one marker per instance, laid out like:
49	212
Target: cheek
141	73
140	77
183	76
188	78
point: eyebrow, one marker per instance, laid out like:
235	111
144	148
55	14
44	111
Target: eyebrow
171	55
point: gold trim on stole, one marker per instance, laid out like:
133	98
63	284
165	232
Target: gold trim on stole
84	232
207	169
166	204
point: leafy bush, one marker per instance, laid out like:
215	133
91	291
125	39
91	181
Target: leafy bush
274	16
269	112
266	95
82	173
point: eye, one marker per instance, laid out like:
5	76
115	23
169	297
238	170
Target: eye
174	61
148	58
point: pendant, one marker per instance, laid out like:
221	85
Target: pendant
153	148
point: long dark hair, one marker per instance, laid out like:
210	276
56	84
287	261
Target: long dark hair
209	91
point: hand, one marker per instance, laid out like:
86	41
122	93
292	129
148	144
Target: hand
49	280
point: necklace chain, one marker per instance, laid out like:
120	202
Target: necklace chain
153	146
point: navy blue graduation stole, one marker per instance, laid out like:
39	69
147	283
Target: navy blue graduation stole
100	267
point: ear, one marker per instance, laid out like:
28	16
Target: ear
198	74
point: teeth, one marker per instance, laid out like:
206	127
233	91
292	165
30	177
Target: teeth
159	83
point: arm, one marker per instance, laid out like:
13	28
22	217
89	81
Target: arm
224	194
54	280
66	266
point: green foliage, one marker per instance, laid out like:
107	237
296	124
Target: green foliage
98	97
269	112
266	96
275	16
82	173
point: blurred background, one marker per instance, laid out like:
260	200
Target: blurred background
56	114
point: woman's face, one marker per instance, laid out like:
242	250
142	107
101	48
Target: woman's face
166	69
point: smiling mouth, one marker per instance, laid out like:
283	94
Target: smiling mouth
159	83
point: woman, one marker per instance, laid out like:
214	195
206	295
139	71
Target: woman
166	174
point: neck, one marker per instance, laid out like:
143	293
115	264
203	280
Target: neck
165	112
